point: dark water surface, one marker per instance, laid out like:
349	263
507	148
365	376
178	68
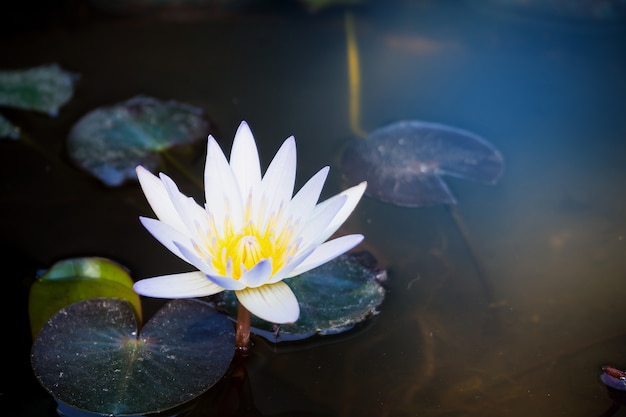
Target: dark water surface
549	92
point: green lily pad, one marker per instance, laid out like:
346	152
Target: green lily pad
92	356
109	142
8	129
76	279
333	298
45	89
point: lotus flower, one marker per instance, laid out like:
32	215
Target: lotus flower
252	231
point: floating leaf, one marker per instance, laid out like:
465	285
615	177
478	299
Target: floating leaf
8	129
91	356
78	279
404	162
109	142
45	89
333	298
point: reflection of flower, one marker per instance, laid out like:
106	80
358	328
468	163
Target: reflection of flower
251	234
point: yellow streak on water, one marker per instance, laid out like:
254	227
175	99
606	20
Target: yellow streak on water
354	78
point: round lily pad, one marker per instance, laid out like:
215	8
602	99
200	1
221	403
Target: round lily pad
44	89
109	142
91	355
404	163
76	279
333	298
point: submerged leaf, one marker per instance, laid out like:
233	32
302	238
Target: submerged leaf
333	298
109	142
91	356
78	279
45	89
404	162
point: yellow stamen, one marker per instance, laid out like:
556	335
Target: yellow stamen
233	252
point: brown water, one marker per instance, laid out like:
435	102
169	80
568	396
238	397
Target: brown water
548	92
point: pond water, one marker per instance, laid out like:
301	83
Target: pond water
548	90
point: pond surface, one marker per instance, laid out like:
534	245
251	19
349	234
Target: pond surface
515	320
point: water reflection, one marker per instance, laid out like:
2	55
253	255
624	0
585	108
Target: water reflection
550	95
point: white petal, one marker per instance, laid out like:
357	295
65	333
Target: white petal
279	179
353	195
326	252
305	199
244	160
285	271
189	212
167	235
228	283
275	303
223	198
311	233
158	198
185	285
204	265
258	275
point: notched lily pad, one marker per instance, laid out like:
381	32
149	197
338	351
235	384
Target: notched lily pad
333	298
45	89
76	279
91	355
109	142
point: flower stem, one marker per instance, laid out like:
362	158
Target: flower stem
242	335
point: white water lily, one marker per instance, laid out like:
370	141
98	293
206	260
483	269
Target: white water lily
251	233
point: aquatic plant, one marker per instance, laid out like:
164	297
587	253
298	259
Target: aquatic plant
252	232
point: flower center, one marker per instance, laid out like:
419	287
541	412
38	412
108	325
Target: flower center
249	249
233	252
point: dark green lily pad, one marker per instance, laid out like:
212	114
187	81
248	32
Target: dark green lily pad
45	89
91	355
109	142
333	298
76	279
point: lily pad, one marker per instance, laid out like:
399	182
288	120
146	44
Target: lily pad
45	89
91	355
77	279
333	298
404	162
109	142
